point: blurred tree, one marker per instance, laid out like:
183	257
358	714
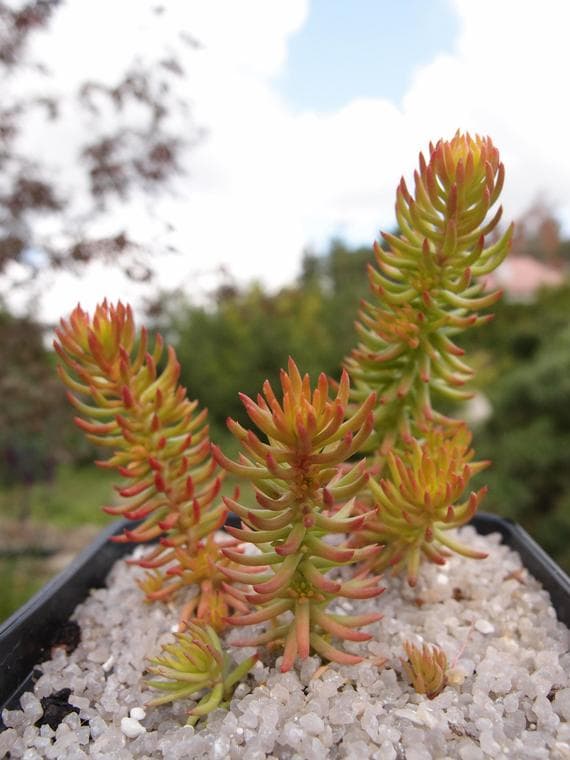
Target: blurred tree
340	276
518	331
35	426
245	338
538	234
240	337
130	144
524	360
528	439
117	140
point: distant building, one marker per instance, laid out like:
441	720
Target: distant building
522	276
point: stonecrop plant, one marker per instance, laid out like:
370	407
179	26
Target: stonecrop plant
348	481
426	667
301	497
195	663
427	292
426	289
160	448
419	502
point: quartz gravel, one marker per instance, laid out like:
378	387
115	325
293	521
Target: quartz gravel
509	692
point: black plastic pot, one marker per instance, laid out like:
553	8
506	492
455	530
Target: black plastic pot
27	637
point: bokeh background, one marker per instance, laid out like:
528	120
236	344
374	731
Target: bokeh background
225	167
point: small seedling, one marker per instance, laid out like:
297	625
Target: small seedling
193	663
426	667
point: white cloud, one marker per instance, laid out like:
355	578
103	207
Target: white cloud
508	79
269	180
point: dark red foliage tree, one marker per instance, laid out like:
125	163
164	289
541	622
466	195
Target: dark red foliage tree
135	148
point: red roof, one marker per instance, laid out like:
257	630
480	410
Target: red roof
522	276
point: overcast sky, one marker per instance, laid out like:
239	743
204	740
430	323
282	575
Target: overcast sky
314	108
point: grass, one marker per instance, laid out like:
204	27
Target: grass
21	578
73	498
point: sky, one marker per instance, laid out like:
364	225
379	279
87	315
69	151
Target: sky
365	49
313	110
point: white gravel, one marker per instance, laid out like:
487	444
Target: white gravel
509	697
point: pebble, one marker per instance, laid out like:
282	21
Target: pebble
561	703
500	682
484	626
562	751
132	728
108	664
311	723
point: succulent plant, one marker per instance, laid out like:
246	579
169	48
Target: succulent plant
318	511
301	498
427	290
417	503
193	663
160	447
202	568
426	668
